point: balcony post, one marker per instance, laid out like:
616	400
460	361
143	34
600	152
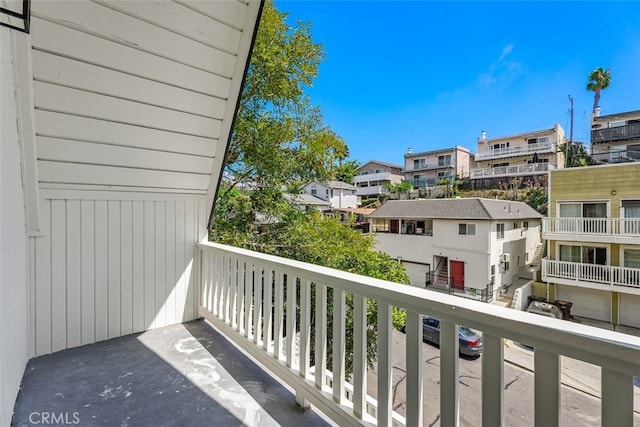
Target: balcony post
359	356
384	365
547	388
492	380
338	368
449	379
414	381
278	302
617	399
291	319
321	336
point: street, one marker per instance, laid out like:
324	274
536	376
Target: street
579	401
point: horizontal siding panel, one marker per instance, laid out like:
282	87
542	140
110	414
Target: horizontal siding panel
182	20
72	101
85	47
124	29
80	75
68	126
73	173
231	12
54	149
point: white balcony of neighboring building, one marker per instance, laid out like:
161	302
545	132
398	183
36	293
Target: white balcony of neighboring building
518	150
515	170
597	230
369	177
595	276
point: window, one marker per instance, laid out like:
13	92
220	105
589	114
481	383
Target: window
631	258
583	254
500	165
444	160
378	170
467	229
314	191
525	225
631	213
419	163
516	225
500	230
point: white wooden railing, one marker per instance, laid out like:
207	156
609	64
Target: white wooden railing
592	226
603	274
252	299
513	170
518	150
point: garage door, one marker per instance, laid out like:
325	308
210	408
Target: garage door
630	310
417	273
589	303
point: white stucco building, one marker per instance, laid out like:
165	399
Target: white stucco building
339	194
472	246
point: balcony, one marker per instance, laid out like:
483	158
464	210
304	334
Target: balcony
616	156
616	133
606	277
252	298
601	230
374	177
429	166
439	283
515	170
520	150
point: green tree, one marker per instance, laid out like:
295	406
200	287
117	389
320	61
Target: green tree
346	171
576	155
598	80
280	141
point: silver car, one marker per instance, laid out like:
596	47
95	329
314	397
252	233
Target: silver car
470	341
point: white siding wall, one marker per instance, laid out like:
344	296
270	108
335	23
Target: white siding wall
13	242
112	265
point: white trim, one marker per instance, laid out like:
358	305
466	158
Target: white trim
23	86
51	193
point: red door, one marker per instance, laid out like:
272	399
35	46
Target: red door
395	226
457	274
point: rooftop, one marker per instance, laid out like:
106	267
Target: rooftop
468	208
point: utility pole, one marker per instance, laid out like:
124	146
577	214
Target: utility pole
568	149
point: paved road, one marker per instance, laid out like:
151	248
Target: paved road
579	408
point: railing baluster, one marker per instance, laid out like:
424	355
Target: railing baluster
360	356
492	380
242	282
547	388
385	364
617	399
267	310
278	316
305	326
321	335
449	381
224	289
233	293
339	314
206	280
414	381
217	284
291	319
248	298
258	272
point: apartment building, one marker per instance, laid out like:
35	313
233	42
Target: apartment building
424	169
339	194
471	247
372	176
593	238
525	155
615	138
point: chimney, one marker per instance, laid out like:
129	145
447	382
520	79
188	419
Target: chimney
483	136
596	112
409	151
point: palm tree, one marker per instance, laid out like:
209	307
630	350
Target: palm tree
598	79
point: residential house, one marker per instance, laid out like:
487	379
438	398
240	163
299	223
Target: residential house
373	175
473	247
114	125
526	156
425	169
307	202
593	239
338	194
615	138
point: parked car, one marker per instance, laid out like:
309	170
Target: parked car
470	341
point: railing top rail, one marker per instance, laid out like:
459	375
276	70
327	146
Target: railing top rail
602	347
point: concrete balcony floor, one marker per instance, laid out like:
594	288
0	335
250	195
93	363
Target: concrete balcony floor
181	375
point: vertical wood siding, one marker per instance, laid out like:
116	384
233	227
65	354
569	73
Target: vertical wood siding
112	267
14	314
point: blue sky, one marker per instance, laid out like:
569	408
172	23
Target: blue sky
429	75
